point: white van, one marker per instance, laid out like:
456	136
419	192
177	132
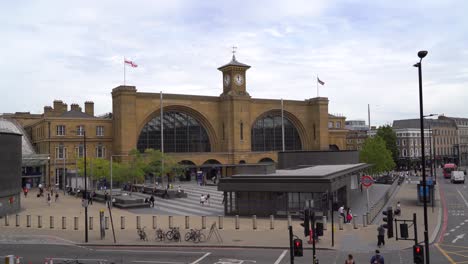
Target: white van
457	176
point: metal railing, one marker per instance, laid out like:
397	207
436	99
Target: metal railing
377	207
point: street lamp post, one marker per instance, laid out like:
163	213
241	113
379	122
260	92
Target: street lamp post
111	183
421	55
85	194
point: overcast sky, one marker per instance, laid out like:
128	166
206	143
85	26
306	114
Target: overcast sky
364	51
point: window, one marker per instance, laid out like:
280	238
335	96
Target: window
403	143
330	124
223	132
266	134
60	152
404	153
60	130
338	124
80	130
242	131
100	131
398	142
100	151
80	151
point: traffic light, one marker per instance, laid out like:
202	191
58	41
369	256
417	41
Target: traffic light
298	251
389	221
418	254
404	230
306	224
319	229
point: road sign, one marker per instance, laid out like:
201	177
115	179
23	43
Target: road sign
367	180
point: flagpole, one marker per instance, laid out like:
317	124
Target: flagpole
317	86
282	123
124	71
162	134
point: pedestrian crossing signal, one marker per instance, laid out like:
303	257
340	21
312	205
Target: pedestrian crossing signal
298	250
418	254
388	221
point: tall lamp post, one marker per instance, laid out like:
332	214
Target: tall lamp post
85	194
421	55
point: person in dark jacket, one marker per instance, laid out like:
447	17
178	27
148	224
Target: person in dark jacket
377	258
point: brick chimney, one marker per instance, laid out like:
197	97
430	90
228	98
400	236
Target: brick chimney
47	110
75	107
89	108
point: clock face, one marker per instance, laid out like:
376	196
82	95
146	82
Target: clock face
227	79
239	79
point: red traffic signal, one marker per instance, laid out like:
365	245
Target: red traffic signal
418	254
298	250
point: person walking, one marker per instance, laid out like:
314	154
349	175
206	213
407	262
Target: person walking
25	191
202	200
48	199
380	236
56	196
208	199
377	258
349	215
341	211
151	201
349	260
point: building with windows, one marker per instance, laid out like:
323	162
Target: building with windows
357	134
462	137
440	135
209	133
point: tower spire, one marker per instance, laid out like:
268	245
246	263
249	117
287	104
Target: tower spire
234	48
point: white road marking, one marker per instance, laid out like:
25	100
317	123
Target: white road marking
452	230
200	259
458	237
457	227
148	251
281	257
446	234
154	261
463	197
466	220
462	223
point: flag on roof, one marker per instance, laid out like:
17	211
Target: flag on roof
131	63
320	81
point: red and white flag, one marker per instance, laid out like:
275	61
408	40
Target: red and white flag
320	81
131	63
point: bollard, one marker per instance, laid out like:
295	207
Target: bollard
64	222
254	222
203	222
9	259
340	223
364	220
272	222
355	222
122	222
91	224
155	222
7	220
28	220
39	221
51	222
170	221
106	222
220	221
75	222
237	221
368	219
324	220
17	220
187	222
138	222
289	220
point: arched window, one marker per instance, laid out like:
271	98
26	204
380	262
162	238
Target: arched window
267	135
182	133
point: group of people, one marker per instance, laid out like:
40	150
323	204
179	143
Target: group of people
377	258
346	214
205	198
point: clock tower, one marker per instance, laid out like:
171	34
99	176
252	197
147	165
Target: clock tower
234	81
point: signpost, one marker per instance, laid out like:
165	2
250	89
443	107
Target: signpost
367	181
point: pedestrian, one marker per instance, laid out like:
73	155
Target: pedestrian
349	215
151	201
224	200
208	199
48	199
56	196
349	260
377	258
25	191
202	200
166	193
106	197
341	211
380	236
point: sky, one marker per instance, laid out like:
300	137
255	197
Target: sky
364	51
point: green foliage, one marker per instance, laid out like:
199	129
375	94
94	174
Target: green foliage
96	168
375	152
390	138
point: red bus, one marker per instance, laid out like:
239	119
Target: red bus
448	168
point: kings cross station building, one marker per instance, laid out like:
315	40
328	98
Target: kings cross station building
206	133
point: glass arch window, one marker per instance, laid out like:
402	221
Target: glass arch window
266	134
182	133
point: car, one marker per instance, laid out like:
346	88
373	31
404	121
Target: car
457	176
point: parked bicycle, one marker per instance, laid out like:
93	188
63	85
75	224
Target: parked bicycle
195	235
173	234
142	234
160	236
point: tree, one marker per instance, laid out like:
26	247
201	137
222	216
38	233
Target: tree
96	168
375	152
390	138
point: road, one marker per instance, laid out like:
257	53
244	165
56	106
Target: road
453	240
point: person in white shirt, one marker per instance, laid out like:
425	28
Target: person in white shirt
341	211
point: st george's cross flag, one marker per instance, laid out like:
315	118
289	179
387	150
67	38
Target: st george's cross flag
131	63
320	81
